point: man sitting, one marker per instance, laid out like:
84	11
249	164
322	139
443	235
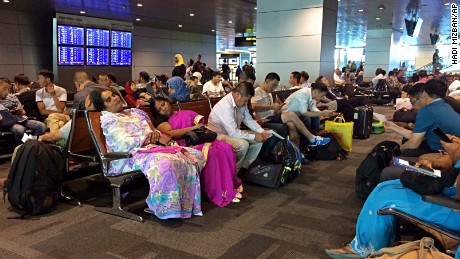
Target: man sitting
84	88
51	101
294	80
303	79
213	88
338	80
270	111
226	118
433	112
12	104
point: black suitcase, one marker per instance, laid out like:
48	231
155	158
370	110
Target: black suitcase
362	118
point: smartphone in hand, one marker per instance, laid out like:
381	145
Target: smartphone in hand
442	135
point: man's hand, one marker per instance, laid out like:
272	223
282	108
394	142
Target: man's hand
261	122
259	138
50	90
276	107
266	134
389	125
326	113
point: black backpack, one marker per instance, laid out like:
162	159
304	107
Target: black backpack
368	172
330	151
34	181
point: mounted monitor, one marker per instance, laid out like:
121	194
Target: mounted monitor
71	56
97	57
70	35
121	39
120	57
97	37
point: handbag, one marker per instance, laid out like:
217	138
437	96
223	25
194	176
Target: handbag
413	250
199	136
342	131
425	185
7	119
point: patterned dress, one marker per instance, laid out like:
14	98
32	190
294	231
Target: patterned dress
173	176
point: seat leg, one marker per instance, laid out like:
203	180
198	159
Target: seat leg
117	209
69	199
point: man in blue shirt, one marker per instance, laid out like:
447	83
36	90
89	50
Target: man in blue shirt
433	112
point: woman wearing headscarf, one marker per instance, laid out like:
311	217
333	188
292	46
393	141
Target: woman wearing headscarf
178	90
134	95
179	69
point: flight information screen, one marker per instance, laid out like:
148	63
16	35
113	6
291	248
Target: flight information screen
121	57
121	39
97	37
71	56
71	35
97	57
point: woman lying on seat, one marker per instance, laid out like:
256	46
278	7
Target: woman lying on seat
172	171
219	174
374	231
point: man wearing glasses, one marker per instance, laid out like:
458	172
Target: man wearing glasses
433	112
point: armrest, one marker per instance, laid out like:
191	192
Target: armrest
442	201
117	155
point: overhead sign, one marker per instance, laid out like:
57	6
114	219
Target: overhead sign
245	41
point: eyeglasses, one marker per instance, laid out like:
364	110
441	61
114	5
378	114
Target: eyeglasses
414	101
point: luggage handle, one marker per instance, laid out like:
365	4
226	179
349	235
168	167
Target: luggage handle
339	117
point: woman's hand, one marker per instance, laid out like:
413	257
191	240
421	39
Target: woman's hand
152	138
442	162
165	140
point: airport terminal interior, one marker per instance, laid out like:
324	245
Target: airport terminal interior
229	129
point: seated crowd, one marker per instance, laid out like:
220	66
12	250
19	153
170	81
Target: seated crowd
244	118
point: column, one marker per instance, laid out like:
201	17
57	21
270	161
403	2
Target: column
296	35
382	46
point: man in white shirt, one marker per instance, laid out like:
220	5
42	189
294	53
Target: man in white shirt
302	103
213	88
270	111
51	101
338	80
379	74
226	118
303	79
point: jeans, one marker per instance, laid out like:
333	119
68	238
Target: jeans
312	124
245	151
18	130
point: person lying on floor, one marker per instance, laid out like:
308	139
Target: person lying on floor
172	171
433	112
374	231
218	178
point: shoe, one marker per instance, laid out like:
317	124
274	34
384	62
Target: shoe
148	211
235	200
238	196
319	141
343	252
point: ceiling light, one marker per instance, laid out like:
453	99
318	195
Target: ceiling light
137	19
377	18
192	14
401	28
255	8
360	10
82	12
6	1
381	8
444	4
180	25
348	31
230	22
139	5
213	30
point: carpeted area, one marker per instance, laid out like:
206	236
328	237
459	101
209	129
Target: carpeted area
316	211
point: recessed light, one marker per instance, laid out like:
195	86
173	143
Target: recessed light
401	28
180	25
360	10
348	31
192	14
213	30
230	22
140	5
6	1
447	4
137	19
82	12
377	18
255	8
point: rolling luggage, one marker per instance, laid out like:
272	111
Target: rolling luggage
362	118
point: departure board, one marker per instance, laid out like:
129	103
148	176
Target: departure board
97	57
71	35
71	56
121	39
97	37
121	57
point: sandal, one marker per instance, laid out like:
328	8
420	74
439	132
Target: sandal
343	252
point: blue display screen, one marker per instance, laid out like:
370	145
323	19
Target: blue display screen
71	55
97	37
121	39
71	35
97	57
121	57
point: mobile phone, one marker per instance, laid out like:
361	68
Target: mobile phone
442	135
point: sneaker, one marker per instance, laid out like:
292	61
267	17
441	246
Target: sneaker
319	141
238	196
236	200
